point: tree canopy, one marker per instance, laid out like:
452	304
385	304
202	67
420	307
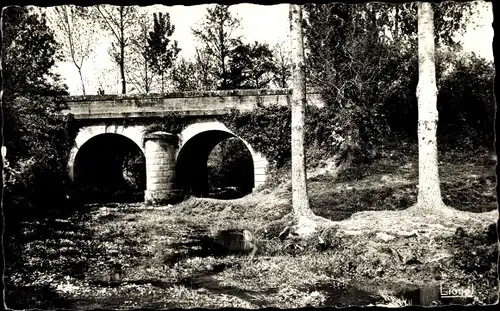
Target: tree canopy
35	137
216	35
161	50
363	57
251	66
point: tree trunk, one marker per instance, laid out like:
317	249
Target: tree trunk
222	56
300	200
162	81
81	79
146	84
396	24
429	193
122	69
122	53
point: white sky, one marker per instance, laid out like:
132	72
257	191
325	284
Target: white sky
258	23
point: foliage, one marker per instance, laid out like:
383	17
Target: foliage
449	18
30	74
79	34
161	50
266	129
39	157
215	34
231	165
364	61
204	71
356	77
183	75
171	122
476	252
282	65
133	170
466	103
37	140
138	70
119	21
250	66
193	74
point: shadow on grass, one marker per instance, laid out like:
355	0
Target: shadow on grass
344	296
473	194
207	282
197	244
341	205
52	240
40	297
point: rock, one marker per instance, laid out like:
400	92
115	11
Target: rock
235	241
413	261
384	236
385	178
284	233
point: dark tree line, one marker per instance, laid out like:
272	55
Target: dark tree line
363	58
37	138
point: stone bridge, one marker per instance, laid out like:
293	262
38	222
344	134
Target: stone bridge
112	124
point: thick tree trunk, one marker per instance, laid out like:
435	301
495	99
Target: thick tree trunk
300	200
429	193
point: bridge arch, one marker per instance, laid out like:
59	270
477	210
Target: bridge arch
107	161
196	142
86	133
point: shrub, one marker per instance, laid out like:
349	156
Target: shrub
466	103
266	129
231	165
38	155
171	122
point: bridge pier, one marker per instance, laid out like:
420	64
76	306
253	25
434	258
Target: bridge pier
161	148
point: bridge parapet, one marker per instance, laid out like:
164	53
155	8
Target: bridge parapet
209	103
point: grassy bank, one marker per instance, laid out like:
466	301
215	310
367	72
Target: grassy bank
378	253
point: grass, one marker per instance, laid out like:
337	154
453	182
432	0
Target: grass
377	253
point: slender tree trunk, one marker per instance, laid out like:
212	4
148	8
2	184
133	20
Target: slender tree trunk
396	23
222	55
122	53
146	84
162	80
429	193
300	200
146	81
122	68
81	79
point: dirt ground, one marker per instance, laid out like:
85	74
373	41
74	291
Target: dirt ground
379	251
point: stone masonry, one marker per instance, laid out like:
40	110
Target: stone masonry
126	115
161	148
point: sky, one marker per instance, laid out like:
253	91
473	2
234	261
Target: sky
258	23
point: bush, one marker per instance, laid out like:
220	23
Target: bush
231	165
171	122
38	154
466	104
266	129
